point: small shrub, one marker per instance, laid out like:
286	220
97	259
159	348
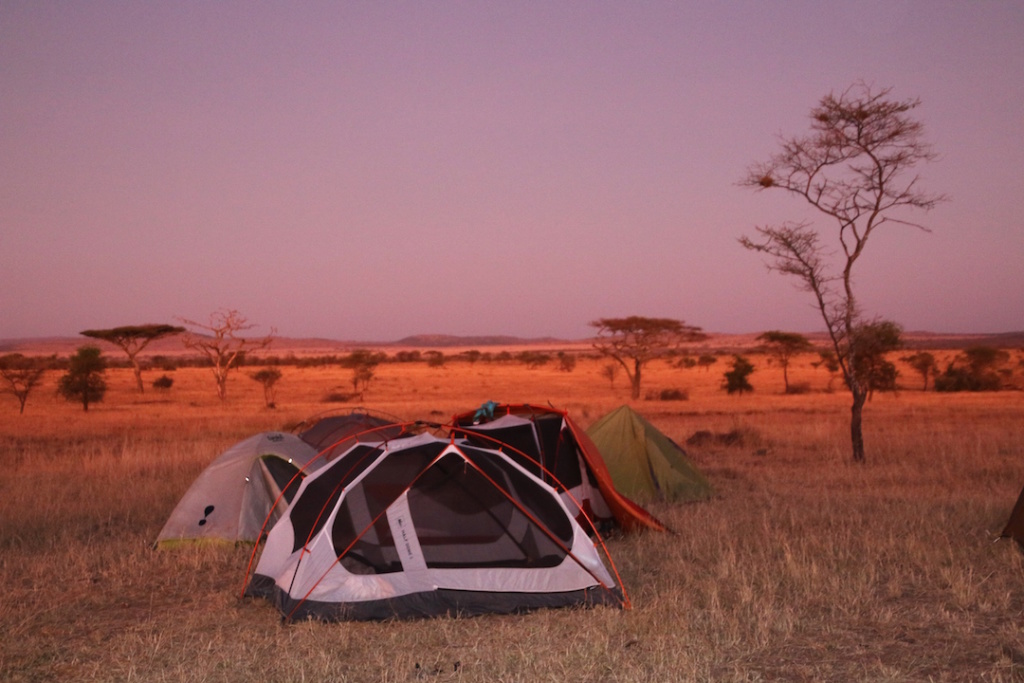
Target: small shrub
163	383
566	361
976	369
739	436
799	388
736	381
686	362
163	363
966	379
669	395
337	397
701	437
533	359
472	355
706	360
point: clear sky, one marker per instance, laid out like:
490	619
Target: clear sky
371	170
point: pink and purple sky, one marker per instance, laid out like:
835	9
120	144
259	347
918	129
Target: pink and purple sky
367	171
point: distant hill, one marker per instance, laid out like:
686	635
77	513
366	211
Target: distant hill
172	346
447	340
933	340
309	346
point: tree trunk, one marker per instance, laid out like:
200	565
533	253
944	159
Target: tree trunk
635	379
856	420
138	376
222	383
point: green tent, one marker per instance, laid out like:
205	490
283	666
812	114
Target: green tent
645	464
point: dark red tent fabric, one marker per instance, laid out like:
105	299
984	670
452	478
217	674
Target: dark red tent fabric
1015	525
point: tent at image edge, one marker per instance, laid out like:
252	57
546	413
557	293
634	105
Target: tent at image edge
1015	524
645	464
245	489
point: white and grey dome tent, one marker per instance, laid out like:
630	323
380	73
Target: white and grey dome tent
245	489
423	526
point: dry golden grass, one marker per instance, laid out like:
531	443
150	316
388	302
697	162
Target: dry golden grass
803	567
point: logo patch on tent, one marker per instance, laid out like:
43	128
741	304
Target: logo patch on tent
402	530
206	513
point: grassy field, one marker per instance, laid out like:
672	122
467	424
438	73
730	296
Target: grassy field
803	567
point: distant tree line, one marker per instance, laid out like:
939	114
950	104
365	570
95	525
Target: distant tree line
630	344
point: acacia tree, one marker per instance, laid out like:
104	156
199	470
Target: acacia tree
84	379
132	339
268	377
221	342
856	169
363	363
783	346
706	360
635	340
21	375
924	363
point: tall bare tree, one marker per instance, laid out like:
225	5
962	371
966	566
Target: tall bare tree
21	375
856	168
221	342
132	339
633	341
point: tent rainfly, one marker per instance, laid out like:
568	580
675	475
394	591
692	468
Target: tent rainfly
645	464
422	526
242	492
332	435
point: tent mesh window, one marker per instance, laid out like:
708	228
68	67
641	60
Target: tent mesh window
310	512
361	534
518	439
282	473
468	518
362	539
560	450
